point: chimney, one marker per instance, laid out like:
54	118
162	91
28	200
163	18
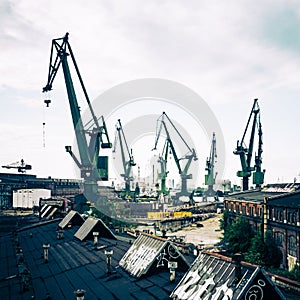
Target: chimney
236	261
60	234
80	294
95	235
172	265
108	254
46	252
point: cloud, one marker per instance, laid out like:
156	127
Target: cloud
228	53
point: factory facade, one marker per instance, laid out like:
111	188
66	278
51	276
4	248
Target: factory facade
10	183
275	208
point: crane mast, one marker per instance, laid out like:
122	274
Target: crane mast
163	159
89	140
210	177
247	153
127	163
182	170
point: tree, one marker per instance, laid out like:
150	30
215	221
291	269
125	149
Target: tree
224	221
264	251
237	236
257	249
272	255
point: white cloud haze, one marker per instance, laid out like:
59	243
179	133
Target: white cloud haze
228	52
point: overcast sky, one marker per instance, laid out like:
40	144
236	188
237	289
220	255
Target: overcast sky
228	52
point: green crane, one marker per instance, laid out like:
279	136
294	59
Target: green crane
90	137
162	175
210	177
127	163
246	153
191	155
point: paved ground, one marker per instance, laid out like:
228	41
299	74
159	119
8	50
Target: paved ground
207	235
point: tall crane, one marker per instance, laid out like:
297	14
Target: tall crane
90	137
163	159
210	177
127	163
191	154
19	165
246	153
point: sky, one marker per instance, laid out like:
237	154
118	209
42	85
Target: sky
228	53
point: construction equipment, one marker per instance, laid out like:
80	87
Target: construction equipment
19	165
246	153
188	157
90	137
210	177
162	176
127	163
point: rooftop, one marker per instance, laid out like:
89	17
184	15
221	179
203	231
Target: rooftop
123	268
268	191
71	265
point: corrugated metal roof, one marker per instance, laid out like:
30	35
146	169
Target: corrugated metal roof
73	217
149	251
215	277
93	225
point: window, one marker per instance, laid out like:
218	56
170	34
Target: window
289	217
294	217
280	216
244	210
292	246
259	212
270	213
278	236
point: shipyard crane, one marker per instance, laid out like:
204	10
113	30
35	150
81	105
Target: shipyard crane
191	154
210	177
19	165
127	163
246	153
91	137
163	159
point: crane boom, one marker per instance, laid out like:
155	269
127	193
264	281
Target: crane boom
88	140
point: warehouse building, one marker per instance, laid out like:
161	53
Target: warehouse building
275	208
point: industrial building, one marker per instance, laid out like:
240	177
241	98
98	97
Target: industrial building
276	208
10	182
77	258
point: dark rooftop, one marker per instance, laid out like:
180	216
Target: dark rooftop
268	191
287	200
72	265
